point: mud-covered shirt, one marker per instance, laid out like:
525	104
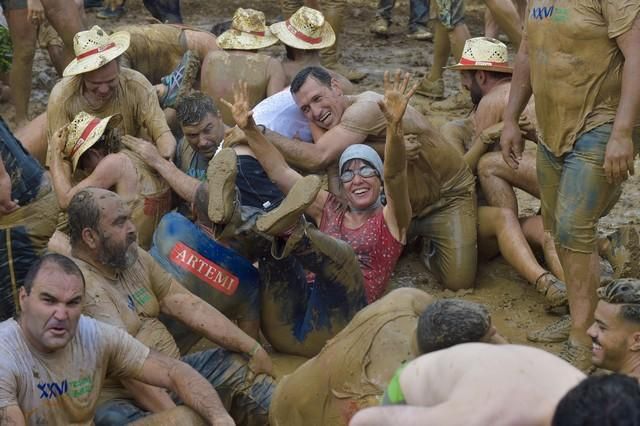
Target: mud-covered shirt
376	248
134	98
576	65
62	388
439	169
130	300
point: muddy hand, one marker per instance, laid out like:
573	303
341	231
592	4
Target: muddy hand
396	96
411	147
234	136
260	362
144	149
7	205
618	159
512	144
240	109
60	139
35	12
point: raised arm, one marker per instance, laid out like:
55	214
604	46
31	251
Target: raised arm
105	175
209	322
397	212
511	141
189	385
184	185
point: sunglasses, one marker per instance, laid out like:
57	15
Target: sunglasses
364	171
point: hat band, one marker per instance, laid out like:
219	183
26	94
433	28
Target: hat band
465	61
302	36
99	49
258	33
85	134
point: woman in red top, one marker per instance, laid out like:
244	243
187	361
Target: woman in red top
359	240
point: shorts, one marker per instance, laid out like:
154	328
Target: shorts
449	12
574	191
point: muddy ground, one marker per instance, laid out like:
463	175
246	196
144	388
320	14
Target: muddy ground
514	304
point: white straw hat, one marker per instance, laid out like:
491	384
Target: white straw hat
306	29
84	131
248	32
95	48
484	53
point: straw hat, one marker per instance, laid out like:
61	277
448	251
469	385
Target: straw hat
84	131
248	32
484	53
95	48
305	29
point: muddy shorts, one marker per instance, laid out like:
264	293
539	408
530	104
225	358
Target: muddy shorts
449	12
247	401
574	190
47	36
216	274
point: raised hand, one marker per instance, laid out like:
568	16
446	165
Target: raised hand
396	96
240	109
60	140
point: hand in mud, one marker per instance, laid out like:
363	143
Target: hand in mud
7	205
240	109
396	96
35	12
234	136
411	147
260	362
144	149
60	140
618	158
512	144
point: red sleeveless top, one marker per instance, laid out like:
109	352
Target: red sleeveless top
377	250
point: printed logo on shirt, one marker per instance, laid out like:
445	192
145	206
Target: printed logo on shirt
75	388
209	272
556	14
140	297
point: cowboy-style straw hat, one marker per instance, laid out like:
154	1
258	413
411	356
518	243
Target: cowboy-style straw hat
95	48
248	32
484	53
305	29
84	131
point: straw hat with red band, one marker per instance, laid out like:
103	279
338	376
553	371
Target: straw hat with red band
84	131
484	53
305	29
95	48
248	32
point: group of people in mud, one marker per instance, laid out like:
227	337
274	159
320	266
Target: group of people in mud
183	185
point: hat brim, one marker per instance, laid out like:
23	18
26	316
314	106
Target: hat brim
105	123
279	29
93	62
458	67
234	39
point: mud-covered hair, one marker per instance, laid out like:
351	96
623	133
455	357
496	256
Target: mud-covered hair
318	73
193	108
608	400
83	212
63	262
449	322
624	292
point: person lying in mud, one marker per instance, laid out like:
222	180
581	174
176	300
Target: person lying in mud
128	289
353	369
486	73
447	386
441	187
55	360
356	243
28	216
92	147
240	60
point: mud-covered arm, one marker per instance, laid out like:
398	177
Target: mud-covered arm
487	114
397	212
189	385
184	185
7	205
12	416
151	398
105	175
277	77
206	320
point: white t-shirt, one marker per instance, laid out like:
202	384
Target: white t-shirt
280	114
62	388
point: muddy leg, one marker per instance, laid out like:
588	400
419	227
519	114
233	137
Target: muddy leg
490	25
533	230
506	15
33	137
66	18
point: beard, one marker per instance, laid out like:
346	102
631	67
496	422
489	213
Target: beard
118	256
476	93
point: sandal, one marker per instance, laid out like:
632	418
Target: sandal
554	290
557	331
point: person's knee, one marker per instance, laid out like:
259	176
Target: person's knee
489	166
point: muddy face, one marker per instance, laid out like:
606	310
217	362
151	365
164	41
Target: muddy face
117	246
612	337
361	192
100	85
205	136
50	312
320	104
